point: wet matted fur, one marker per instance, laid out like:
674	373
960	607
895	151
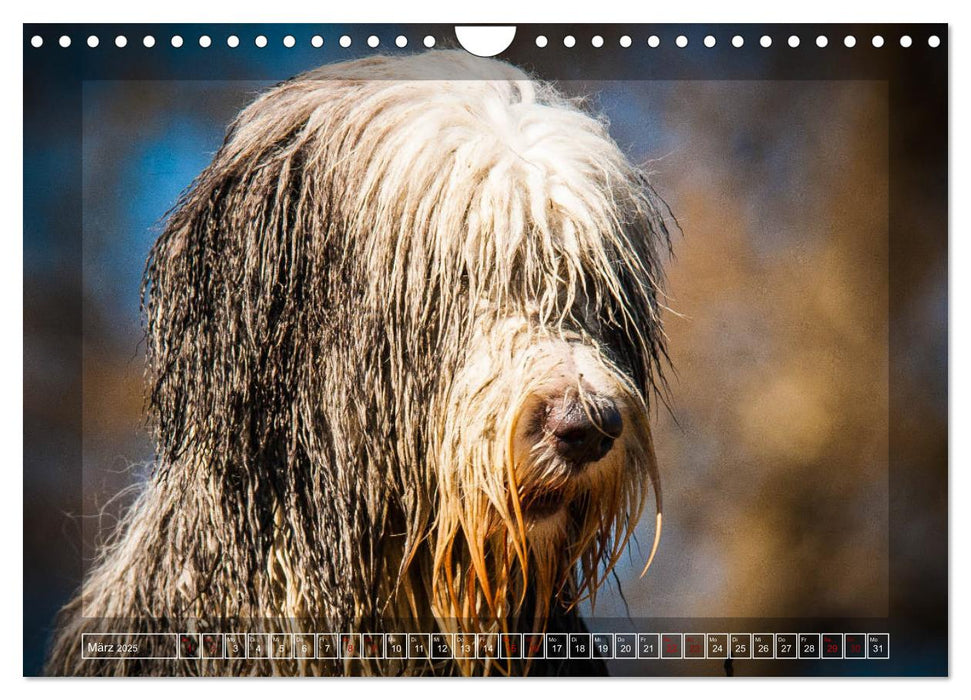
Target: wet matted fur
360	318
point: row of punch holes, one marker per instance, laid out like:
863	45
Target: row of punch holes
569	41
232	41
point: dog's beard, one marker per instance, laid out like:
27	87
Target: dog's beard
522	534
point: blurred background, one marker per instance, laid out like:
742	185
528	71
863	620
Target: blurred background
774	450
774	453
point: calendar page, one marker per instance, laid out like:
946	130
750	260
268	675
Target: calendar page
386	350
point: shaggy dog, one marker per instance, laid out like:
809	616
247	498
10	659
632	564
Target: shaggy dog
402	337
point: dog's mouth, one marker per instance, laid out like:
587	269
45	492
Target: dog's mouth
543	503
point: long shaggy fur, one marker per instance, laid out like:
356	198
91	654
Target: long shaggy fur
353	317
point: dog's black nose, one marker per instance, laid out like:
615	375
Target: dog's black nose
584	433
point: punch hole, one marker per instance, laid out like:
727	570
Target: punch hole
906	41
597	41
401	41
148	41
121	41
569	41
93	41
542	41
429	41
934	41
710	41
373	41
793	41
681	41
482	41
205	41
176	41
765	41
738	42
36	41
316	41
260	41
877	41
344	41
850	41
822	41
232	41
289	41
626	41
64	41
653	41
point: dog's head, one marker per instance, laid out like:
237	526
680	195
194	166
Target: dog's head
423	311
